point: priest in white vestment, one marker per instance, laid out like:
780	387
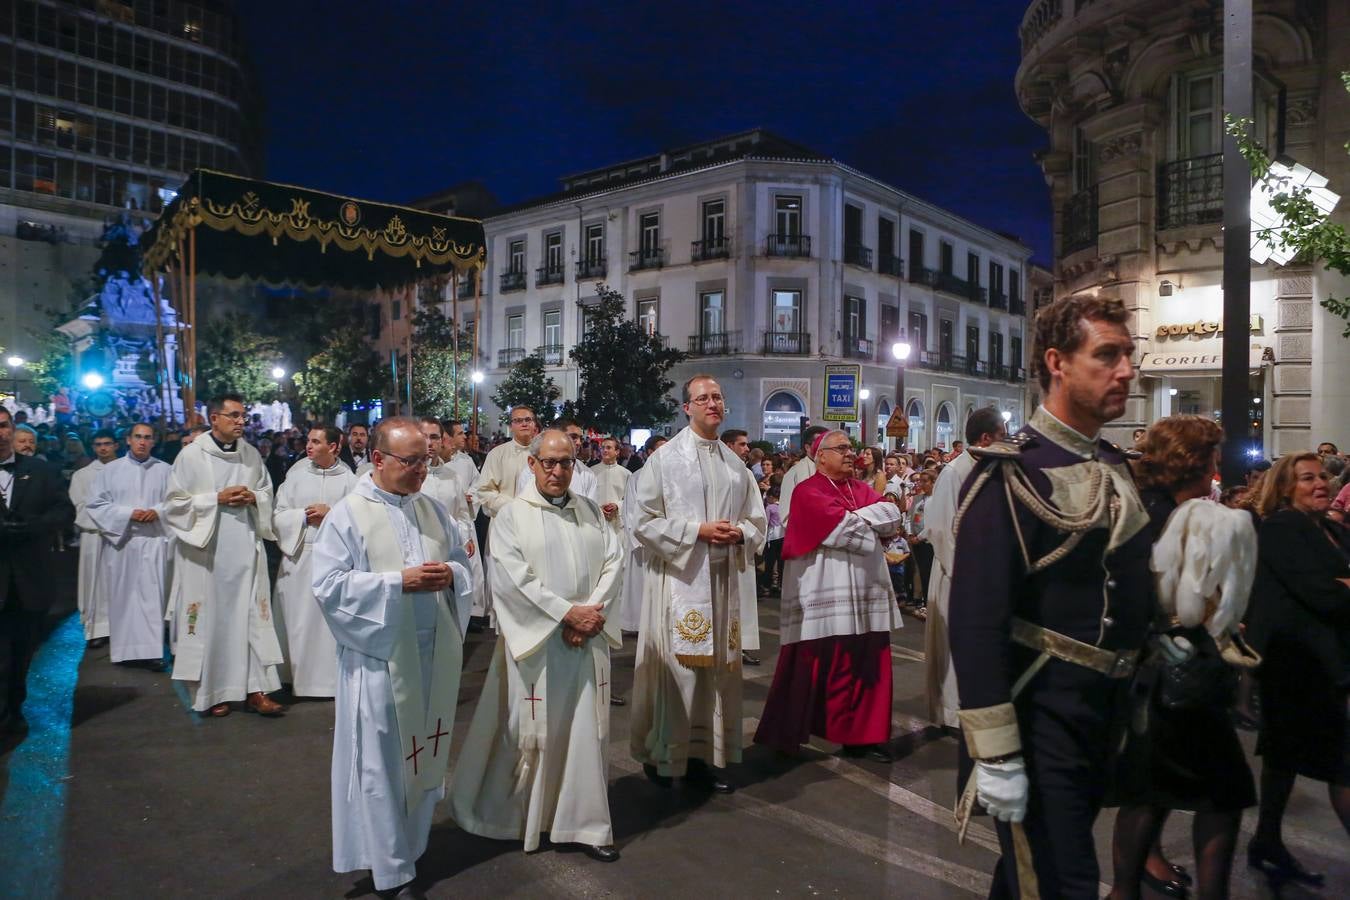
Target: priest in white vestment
394	587
584	483
454	453
630	603
313	486
496	485
801	470
219	512
984	426
127	505
444	485
534	760
701	520
93	616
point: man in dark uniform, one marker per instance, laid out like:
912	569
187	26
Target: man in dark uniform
34	506
1051	602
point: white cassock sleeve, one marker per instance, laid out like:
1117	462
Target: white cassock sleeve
753	522
670	539
103	510
288	520
364	609
939	512
191	517
859	530
262	491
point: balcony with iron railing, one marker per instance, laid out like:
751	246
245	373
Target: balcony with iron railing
717	343
790	246
998	300
597	267
711	248
646	258
1080	221
468	288
550	274
552	354
1190	192
509	356
889	264
918	274
787	343
512	280
1018	374
1017	306
959	287
858	348
858	255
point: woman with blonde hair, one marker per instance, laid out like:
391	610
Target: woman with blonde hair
1300	622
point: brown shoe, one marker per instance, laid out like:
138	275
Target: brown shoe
262	704
220	710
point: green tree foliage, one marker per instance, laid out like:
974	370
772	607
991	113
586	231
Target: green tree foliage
1306	233
233	356
528	384
54	367
623	369
442	365
344	370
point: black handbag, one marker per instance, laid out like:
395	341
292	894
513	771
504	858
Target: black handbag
1205	681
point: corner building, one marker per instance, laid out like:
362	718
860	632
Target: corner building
766	261
1130	93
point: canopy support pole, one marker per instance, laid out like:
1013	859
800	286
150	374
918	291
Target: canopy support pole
477	311
192	309
162	364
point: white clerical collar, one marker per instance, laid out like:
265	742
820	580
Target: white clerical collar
13	458
399	500
139	462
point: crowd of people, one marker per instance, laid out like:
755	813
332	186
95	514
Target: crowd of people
1095	617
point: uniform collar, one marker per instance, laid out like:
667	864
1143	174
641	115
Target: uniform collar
1070	439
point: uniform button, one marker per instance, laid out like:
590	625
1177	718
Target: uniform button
1108	621
1111	583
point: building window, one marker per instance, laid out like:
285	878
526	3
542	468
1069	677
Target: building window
714	223
515	332
552	329
1199	117
995	279
517	255
788	216
553	251
995	350
916	262
647	311
972	344
787	312
649	233
947	262
1084	161
712	313
918	331
1015	351
1015	288
973	269
946	338
595	243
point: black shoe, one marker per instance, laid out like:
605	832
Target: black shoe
1278	864
1166	888
655	777
409	891
617	701
1179	873
699	775
749	659
475	625
600	854
874	752
96	643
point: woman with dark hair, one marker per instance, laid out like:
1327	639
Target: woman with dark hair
1300	622
1188	756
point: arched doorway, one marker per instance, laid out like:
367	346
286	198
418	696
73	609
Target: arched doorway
783	413
883	416
914	412
942	428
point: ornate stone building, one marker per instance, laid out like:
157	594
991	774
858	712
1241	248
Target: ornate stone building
1130	93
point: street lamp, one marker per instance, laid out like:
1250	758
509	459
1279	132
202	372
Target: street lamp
15	364
863	396
93	381
476	378
278	373
900	350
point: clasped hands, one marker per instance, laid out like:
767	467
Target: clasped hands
427	578
720	532
315	512
144	515
582	623
610	510
236	495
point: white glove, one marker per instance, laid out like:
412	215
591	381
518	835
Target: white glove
1174	650
1002	788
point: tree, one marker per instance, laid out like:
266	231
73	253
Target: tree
232	356
442	365
1307	232
55	366
623	369
527	384
344	370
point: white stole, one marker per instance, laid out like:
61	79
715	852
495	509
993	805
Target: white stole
423	726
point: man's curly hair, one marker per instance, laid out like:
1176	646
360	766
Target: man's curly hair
1060	325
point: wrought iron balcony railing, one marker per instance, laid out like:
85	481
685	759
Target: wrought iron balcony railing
552	354
858	255
466	289
1017	306
891	265
920	275
717	343
509	356
713	248
647	258
787	343
548	275
998	300
1190	191
512	281
1080	221
592	268
788	245
858	348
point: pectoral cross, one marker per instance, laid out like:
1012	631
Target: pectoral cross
440	733
416	750
533	700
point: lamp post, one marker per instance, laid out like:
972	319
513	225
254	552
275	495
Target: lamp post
278	373
477	379
900	350
863	395
15	364
93	381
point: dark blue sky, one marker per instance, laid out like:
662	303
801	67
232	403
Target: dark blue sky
394	100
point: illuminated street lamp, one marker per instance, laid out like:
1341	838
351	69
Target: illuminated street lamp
15	364
278	373
863	396
476	378
900	350
93	381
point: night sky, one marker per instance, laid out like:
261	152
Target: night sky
400	103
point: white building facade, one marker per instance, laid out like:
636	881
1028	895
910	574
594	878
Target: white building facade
766	263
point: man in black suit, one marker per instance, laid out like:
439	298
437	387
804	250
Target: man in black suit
33	508
355	449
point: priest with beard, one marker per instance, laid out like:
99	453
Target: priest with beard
313	486
394	587
92	614
126	506
700	517
833	677
534	758
219	511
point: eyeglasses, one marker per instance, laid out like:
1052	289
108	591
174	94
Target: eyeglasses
705	399
409	462
526	420
551	464
236	416
843	449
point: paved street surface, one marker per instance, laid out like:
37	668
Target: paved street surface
121	791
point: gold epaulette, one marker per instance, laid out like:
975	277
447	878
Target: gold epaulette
1010	447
